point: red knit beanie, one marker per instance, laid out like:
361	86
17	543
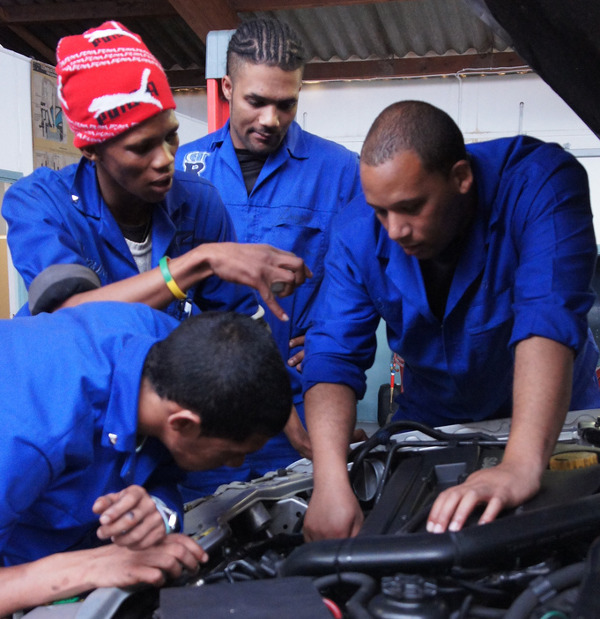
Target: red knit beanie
108	82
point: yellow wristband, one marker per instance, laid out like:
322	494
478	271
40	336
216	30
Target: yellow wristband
171	285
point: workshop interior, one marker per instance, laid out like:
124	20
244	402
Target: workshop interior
535	65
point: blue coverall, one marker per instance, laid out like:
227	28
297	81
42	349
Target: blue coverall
300	189
524	270
69	385
60	217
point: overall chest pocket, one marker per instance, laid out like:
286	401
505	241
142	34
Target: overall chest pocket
298	230
489	313
488	333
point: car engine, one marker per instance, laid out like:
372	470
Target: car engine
540	560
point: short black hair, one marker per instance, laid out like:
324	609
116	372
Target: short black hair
265	41
417	126
226	368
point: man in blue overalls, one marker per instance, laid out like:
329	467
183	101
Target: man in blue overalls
104	406
479	259
282	186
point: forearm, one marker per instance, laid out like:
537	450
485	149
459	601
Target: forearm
333	511
541	396
261	267
49	579
150	287
330	411
64	575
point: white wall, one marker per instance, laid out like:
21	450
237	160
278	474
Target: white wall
190	128
483	107
192	105
16	154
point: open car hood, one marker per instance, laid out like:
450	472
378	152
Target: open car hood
560	42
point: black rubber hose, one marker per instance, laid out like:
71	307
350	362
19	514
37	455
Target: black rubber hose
496	544
561	579
355	606
384	435
586	606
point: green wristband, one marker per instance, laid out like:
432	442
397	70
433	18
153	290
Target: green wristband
171	285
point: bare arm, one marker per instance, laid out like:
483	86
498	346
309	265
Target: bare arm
257	266
297	435
541	395
67	574
330	416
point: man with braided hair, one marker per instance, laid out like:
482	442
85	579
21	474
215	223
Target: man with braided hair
282	186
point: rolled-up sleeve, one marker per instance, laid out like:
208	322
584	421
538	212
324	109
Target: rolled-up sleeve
341	341
557	253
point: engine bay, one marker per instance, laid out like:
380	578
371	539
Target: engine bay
540	560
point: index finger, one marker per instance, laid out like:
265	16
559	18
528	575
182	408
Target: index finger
442	510
190	545
272	304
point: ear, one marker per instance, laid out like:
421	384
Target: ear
184	421
462	176
89	152
227	87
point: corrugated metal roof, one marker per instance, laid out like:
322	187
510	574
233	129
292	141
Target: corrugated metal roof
336	32
390	30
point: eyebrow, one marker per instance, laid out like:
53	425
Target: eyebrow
165	134
406	204
272	101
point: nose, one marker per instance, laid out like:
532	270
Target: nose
269	116
164	157
398	227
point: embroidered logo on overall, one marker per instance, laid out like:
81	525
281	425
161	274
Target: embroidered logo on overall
195	162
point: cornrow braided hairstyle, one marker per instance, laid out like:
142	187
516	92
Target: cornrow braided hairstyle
265	41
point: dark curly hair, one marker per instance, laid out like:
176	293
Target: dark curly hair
226	368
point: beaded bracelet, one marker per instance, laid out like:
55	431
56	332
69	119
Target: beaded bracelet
171	285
